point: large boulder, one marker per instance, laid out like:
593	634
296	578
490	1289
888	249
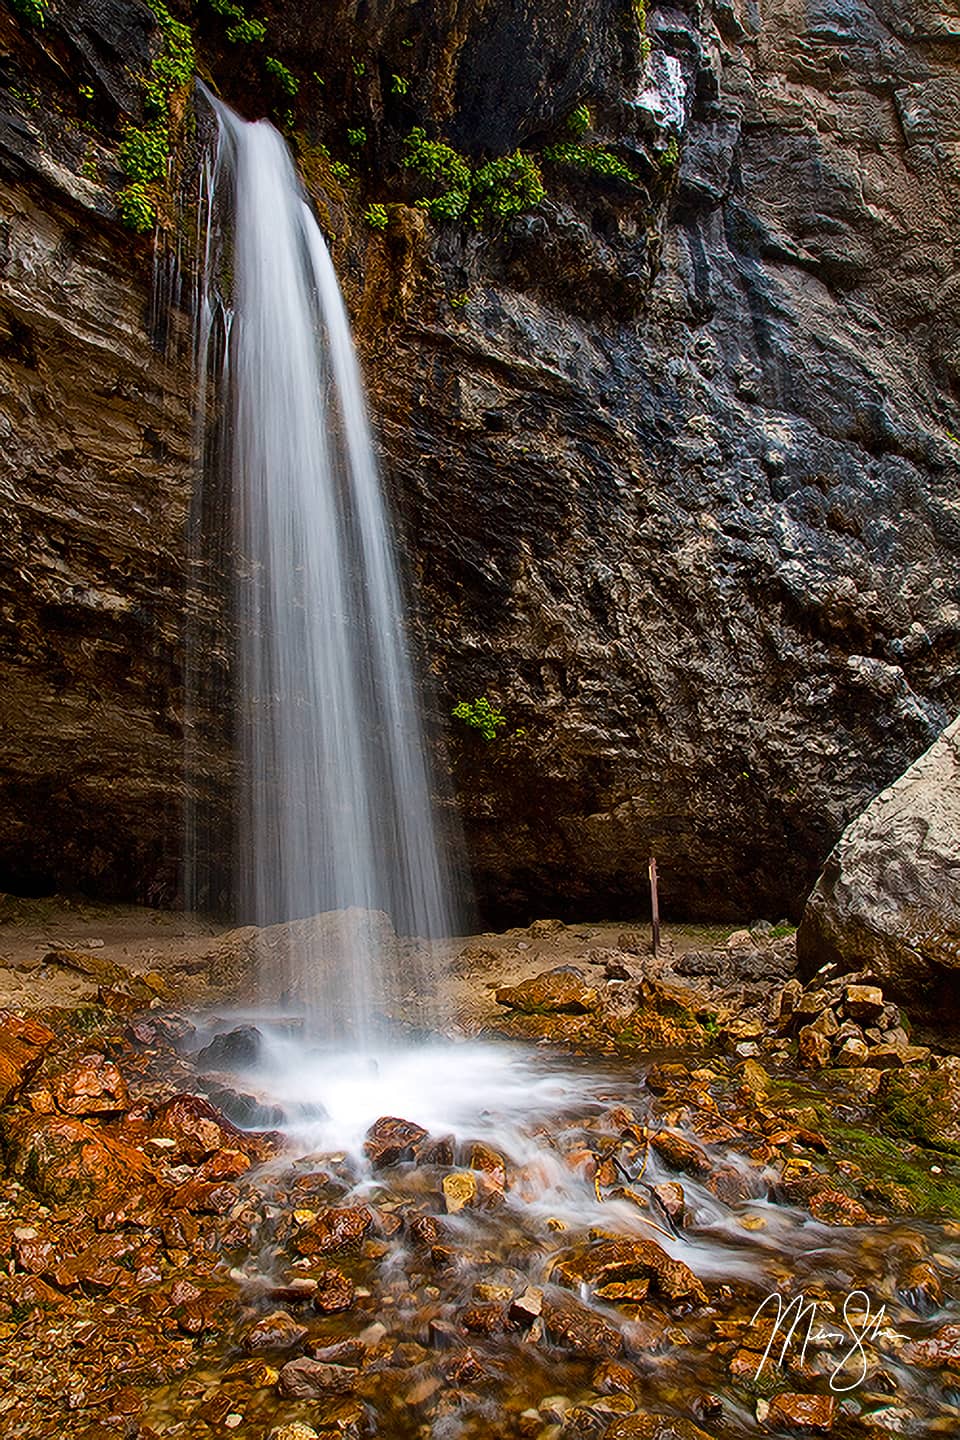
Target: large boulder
888	900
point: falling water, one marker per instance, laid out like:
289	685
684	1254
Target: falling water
334	809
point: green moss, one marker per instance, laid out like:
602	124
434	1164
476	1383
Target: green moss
499	189
509	185
398	85
356	136
243	29
451	205
342	172
480	715
247	32
579	121
144	153
593	160
33	11
888	1161
137	210
376	217
917	1107
436	161
670	157
282	77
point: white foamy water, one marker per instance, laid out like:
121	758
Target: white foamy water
529	1107
334	801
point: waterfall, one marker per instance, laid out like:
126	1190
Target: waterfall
334	812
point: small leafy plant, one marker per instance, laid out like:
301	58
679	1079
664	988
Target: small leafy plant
591	159
480	715
579	121
376	217
283	78
33	11
356	136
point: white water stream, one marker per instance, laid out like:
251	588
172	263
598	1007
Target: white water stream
334	804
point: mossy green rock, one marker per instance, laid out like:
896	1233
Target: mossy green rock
926	1103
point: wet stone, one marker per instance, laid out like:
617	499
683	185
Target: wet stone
304	1379
646	1426
459	1190
61	1159
484	1319
232	1050
792	1411
334	1293
391	1141
610	1262
576	1327
23	1042
671	1197
335	1231
278	1331
681	1154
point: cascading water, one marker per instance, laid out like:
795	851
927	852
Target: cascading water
334	810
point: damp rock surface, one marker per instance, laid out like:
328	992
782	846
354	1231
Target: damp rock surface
888	900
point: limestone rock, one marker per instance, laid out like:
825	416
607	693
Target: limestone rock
561	991
753	352
889	896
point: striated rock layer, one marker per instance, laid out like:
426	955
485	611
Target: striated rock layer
889	896
675	463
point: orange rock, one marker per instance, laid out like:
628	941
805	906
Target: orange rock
791	1411
833	1207
681	1154
60	1158
391	1141
551	992
938	1351
611	1262
493	1165
23	1042
335	1231
93	1086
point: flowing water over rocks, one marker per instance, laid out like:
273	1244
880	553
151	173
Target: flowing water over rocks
225	1227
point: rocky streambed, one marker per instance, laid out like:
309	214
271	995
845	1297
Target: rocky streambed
570	1216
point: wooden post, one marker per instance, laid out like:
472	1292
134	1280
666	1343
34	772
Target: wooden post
654	904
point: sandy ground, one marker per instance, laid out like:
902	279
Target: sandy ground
188	953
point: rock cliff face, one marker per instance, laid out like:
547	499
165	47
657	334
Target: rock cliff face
675	459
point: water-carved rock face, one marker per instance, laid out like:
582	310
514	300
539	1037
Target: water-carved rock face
677	470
